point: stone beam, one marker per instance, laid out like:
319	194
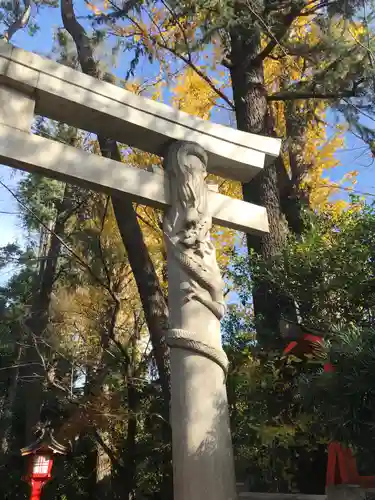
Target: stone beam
69	96
66	163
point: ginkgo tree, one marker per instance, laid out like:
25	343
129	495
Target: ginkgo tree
278	66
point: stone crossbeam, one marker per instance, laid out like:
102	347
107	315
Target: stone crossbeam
33	153
69	96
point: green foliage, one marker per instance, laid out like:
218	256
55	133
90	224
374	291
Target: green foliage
42	195
295	407
270	431
329	270
345	399
39	194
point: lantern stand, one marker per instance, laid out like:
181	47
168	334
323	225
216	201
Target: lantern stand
41	454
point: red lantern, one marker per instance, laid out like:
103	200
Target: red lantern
41	465
41	455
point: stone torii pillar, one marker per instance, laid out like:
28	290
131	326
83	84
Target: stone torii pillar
202	450
203	466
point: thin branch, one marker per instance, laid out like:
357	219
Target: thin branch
176	19
19	23
19	366
201	74
104	262
151	83
108	450
187	60
319	76
278	35
65	245
75	209
293	96
146	222
112	335
357	108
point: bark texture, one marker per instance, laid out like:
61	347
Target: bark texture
253	115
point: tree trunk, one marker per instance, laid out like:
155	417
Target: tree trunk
103	472
104	468
293	197
8	408
151	294
130	459
32	375
253	115
152	298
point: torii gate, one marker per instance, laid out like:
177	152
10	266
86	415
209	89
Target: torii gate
202	450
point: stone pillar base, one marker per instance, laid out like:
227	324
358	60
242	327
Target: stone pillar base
345	492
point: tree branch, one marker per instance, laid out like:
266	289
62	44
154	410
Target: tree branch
279	34
65	245
108	450
201	74
293	96
104	262
187	60
19	23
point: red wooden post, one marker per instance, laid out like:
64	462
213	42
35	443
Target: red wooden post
40	469
342	468
36	489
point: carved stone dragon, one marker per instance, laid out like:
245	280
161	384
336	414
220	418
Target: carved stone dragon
187	226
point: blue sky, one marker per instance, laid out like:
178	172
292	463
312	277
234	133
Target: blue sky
353	157
11	228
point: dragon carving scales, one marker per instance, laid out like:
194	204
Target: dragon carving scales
187	226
